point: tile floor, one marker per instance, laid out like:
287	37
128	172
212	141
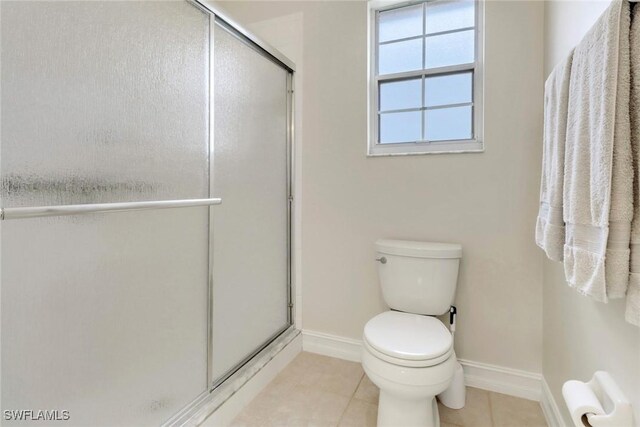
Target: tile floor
318	391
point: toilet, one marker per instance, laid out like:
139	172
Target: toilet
407	352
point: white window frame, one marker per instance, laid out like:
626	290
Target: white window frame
474	145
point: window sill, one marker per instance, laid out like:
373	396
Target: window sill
413	149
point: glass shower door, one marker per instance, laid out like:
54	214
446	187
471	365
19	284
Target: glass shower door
250	231
104	315
128	318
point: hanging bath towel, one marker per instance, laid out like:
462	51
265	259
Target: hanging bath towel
598	184
632	313
550	224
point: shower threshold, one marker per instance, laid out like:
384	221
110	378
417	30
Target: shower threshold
208	402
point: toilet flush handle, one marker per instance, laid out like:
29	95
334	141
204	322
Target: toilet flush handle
382	260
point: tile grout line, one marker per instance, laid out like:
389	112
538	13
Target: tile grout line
351	399
493	423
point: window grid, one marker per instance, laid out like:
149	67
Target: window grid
423	74
424	53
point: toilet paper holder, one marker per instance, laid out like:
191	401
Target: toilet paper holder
597	403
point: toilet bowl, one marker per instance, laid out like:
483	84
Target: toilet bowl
410	358
407	352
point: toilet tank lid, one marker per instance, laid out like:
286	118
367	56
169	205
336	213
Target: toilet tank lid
419	249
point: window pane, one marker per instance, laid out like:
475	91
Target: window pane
401	95
449	89
400	23
448	124
450	49
400	127
399	57
449	15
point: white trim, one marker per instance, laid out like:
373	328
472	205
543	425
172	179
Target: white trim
550	407
513	382
332	345
224	415
418	148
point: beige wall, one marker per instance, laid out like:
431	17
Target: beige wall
582	336
487	201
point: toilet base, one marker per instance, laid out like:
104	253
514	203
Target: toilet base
454	396
394	412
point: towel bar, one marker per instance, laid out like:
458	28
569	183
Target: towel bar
42	211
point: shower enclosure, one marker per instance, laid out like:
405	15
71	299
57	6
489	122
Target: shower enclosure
145	159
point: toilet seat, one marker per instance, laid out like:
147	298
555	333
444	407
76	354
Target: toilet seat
408	363
408	339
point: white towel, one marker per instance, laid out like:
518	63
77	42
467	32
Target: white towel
632	312
598	184
549	224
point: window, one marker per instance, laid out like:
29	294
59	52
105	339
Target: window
425	78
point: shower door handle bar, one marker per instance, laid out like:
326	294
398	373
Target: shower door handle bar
42	211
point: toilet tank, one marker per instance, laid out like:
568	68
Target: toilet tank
418	277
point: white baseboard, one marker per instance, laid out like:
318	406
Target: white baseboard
550	407
332	345
509	381
500	379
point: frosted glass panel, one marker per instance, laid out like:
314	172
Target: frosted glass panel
400	127
401	94
103	102
450	49
105	315
400	56
449	15
400	23
448	123
250	228
448	89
